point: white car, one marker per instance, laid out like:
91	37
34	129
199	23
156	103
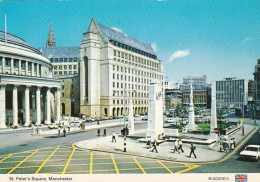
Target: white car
251	152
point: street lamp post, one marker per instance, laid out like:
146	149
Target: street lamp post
124	120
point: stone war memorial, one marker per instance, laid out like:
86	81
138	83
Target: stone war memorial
155	112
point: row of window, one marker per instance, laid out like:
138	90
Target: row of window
65	72
135	59
63	60
65	67
127	102
136	72
132	49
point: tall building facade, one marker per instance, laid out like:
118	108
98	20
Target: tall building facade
168	83
28	92
231	92
195	80
257	89
113	66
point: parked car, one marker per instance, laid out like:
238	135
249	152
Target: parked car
53	126
251	152
137	115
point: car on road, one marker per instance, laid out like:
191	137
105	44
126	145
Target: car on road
251	152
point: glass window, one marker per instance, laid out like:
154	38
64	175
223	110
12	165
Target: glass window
75	72
55	72
75	66
114	52
75	59
65	72
70	72
65	67
60	67
61	60
70	60
65	59
55	67
51	60
56	60
60	72
70	67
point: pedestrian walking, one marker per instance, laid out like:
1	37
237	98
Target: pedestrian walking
192	151
175	147
113	137
155	146
148	143
225	146
69	128
98	132
105	132
64	132
97	122
180	146
58	130
255	122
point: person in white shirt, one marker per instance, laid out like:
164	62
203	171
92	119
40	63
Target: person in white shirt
113	137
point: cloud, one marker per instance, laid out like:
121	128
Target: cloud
179	54
154	46
117	29
245	40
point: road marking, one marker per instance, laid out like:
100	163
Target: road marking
114	162
139	165
188	169
73	172
91	163
68	161
38	170
164	166
23	161
1	161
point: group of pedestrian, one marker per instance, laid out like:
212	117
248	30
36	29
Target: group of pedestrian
104	132
226	145
177	146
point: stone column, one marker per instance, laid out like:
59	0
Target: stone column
57	106
32	72
37	70
38	106
26	68
48	107
2	107
15	106
12	66
20	67
3	65
27	106
213	119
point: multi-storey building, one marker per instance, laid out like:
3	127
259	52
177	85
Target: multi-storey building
231	92
64	59
257	89
28	93
173	97
168	83
195	80
200	95
114	65
70	92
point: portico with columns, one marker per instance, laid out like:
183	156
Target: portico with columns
36	105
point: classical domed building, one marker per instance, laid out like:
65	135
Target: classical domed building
28	93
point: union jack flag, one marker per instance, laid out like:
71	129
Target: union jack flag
241	178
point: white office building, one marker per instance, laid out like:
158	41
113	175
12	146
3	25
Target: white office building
113	64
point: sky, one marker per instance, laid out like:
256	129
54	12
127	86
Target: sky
192	37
